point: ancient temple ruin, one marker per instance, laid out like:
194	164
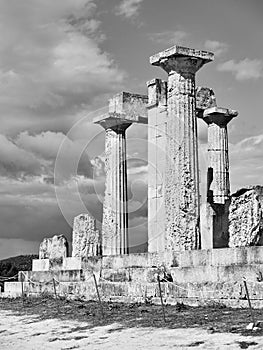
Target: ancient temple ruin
207	248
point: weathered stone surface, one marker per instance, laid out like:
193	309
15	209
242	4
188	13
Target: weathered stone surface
214	214
86	238
246	217
182	175
133	105
54	248
157	119
124	109
205	98
218	159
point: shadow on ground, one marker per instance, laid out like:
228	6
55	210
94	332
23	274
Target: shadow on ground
212	318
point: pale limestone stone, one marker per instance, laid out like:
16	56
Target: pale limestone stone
246	217
40	264
54	248
124	109
218	178
86	238
133	105
205	98
157	120
214	216
182	174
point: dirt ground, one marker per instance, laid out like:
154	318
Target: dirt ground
45	323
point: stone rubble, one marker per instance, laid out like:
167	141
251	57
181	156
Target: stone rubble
86	238
54	248
246	217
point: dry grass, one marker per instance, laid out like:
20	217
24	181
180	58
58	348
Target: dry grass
213	319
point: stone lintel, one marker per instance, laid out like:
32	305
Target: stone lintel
130	104
179	51
219	115
113	120
157	93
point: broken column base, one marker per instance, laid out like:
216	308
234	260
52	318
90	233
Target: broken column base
214	225
200	277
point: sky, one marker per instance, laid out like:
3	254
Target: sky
60	62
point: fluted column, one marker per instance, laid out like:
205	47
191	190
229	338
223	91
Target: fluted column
215	212
115	209
157	120
218	160
124	109
182	173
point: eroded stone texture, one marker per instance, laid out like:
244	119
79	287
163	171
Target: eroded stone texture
124	109
218	159
86	238
205	98
246	217
54	248
214	219
182	177
157	120
132	105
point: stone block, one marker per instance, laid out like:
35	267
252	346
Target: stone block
246	217
86	238
40	265
71	263
132	105
195	258
54	248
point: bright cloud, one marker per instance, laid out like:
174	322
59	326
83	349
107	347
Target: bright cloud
217	47
52	66
243	70
128	8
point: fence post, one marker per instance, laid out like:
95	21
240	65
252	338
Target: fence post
161	297
55	292
249	302
98	294
22	290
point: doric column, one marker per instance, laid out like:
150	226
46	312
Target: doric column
218	160
115	210
157	115
182	178
124	109
215	212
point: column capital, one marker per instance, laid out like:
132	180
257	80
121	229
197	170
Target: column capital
114	121
181	59
218	115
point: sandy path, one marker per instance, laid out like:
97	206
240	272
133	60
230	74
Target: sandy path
28	333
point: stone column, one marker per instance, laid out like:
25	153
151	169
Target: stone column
115	210
124	109
218	161
157	115
215	214
182	173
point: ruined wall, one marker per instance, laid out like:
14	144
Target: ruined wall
246	217
86	238
54	248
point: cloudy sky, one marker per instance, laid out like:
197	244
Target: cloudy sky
60	60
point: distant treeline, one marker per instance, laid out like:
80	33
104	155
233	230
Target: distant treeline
10	267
